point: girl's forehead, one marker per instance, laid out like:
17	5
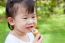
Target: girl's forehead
26	8
27	14
22	10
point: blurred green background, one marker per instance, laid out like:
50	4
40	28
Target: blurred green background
51	20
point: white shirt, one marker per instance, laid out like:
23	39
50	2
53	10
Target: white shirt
13	39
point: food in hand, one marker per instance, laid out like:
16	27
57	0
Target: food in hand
35	32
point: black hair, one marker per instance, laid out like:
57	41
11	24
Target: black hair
11	10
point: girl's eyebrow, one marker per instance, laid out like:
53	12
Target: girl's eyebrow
29	14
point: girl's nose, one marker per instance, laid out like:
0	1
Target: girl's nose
30	21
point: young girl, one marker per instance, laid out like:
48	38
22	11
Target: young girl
21	20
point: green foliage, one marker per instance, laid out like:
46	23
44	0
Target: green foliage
2	2
51	20
3	30
53	29
2	11
55	23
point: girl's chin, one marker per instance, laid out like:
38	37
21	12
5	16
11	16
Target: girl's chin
30	29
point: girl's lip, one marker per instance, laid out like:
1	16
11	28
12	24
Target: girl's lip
30	27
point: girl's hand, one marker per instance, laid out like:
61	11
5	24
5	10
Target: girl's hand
38	39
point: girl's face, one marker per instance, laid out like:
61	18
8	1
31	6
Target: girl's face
23	21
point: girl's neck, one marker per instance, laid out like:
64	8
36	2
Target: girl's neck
18	33
21	35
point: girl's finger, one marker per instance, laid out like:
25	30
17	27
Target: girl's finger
38	36
40	40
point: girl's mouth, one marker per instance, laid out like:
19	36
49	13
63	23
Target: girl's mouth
29	27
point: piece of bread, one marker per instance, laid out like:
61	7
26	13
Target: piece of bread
35	32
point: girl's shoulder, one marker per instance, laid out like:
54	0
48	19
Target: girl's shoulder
11	39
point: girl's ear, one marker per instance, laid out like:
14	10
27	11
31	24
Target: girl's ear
11	21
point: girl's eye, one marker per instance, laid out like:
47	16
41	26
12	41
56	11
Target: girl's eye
33	17
24	18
